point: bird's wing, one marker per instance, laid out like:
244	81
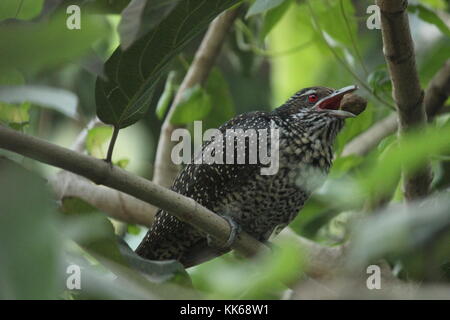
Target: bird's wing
208	176
205	183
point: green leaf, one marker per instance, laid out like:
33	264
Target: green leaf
222	105
380	81
399	229
56	99
406	155
45	44
332	21
433	59
436	4
15	115
122	163
20	9
133	74
105	6
133	229
156	271
166	97
272	17
140	16
30	244
96	140
260	6
429	16
194	105
252	279
314	215
344	164
92	231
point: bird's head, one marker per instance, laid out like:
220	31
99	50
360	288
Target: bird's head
320	101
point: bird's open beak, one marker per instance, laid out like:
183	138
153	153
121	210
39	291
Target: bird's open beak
331	103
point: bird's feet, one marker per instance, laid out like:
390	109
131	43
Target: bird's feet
235	230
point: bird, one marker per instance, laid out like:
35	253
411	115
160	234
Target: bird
261	205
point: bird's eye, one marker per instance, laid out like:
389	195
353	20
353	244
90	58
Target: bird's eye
313	98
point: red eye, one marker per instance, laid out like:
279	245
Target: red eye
313	98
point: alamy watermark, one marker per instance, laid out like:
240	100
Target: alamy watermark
73	281
374	280
374	20
73	21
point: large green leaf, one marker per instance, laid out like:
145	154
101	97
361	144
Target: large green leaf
330	18
141	16
418	231
260	6
105	6
156	271
260	278
29	240
430	16
91	230
194	105
15	116
272	17
222	105
436	4
133	74
23	9
166	98
57	99
33	47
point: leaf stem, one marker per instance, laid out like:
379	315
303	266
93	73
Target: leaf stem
112	143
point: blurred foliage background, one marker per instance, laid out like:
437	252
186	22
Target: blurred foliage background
48	76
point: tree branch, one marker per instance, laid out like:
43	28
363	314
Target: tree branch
165	170
116	204
399	53
101	172
322	260
436	94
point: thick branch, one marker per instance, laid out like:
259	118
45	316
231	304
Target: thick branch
103	173
436	94
407	93
165	170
